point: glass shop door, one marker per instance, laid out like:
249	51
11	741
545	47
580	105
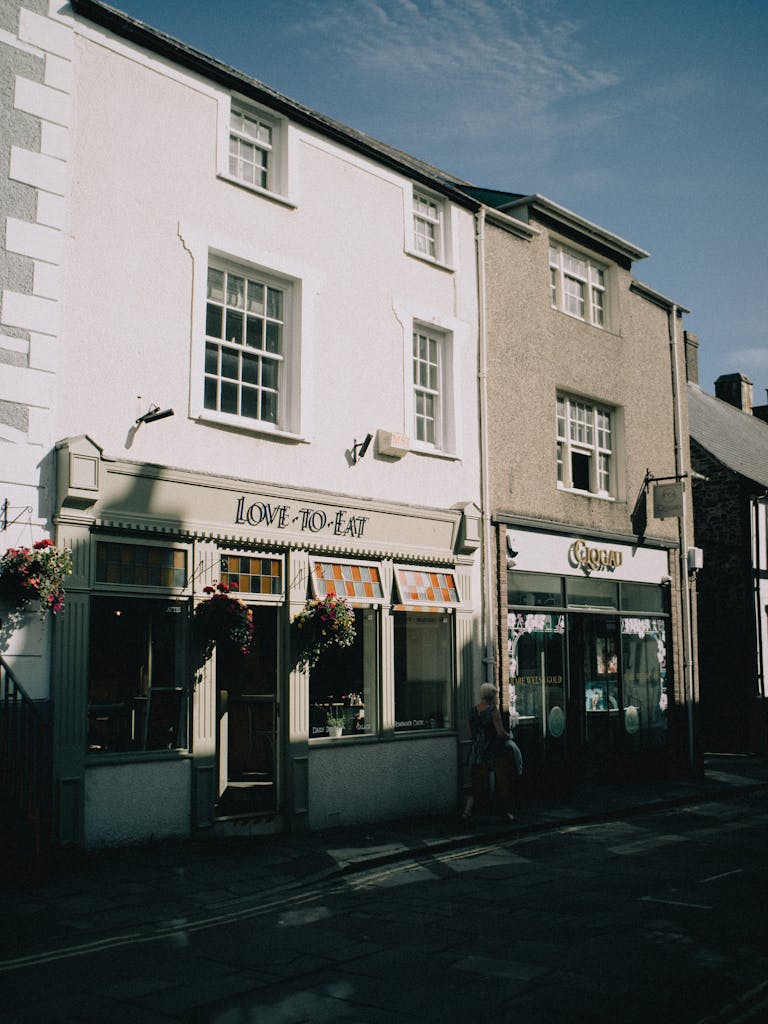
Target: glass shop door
248	721
595	683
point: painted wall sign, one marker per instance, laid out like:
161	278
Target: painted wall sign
306	519
594	559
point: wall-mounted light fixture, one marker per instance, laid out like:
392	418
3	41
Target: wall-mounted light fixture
154	412
359	448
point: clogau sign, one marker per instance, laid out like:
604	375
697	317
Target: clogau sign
306	519
593	559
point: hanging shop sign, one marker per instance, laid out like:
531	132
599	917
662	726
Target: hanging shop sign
667	501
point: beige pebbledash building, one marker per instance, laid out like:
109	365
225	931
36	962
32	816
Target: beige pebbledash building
586	448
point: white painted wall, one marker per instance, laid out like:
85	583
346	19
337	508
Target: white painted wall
137	803
144	156
352	784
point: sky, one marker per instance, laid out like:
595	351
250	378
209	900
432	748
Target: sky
649	119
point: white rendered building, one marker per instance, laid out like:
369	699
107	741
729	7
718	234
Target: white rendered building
249	291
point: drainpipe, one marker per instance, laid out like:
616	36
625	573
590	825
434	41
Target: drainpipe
487	622
684	476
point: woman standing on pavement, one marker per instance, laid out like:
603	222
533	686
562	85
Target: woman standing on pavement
488	751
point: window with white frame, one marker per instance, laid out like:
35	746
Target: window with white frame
245	344
428	231
251	139
430	357
585	446
578	285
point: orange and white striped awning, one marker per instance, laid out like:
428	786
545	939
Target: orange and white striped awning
426	588
358	582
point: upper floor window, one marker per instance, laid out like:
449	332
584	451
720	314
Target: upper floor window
427	226
428	388
585	446
245	354
578	285
253	148
250	148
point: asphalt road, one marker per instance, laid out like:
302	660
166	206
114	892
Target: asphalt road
652	918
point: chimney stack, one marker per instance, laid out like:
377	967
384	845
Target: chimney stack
736	390
691	357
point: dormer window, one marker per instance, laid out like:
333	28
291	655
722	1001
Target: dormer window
578	285
250	148
427	226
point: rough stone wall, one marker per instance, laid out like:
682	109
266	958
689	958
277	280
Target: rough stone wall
727	651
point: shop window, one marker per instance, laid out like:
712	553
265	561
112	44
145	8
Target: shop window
141	565
136	692
641	597
533	588
423	671
343	685
260	575
644	681
591	593
537	671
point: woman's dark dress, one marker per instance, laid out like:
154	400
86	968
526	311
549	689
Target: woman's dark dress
484	749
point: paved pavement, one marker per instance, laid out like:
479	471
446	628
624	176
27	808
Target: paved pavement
85	899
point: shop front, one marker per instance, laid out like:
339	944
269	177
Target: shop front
159	734
588	653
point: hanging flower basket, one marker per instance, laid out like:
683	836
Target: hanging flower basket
35	574
223	618
323	623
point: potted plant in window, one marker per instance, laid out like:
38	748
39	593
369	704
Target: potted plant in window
323	623
223	618
335	724
35	574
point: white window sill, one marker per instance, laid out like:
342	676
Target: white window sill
585	494
418	448
275	196
248	426
438	264
582	320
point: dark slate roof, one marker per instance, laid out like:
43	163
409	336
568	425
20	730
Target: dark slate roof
735	438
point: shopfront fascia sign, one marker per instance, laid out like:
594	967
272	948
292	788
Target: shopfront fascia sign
593	559
560	555
301	518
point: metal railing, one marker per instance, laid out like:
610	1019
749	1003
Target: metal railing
25	761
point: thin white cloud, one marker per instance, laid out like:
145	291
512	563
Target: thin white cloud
484	65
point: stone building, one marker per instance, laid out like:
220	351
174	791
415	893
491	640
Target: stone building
585	424
729	448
